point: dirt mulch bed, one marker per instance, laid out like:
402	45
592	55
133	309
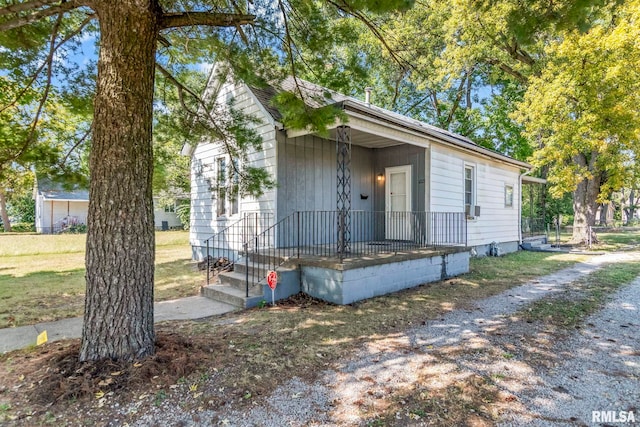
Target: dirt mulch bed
53	375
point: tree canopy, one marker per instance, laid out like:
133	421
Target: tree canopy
555	83
261	41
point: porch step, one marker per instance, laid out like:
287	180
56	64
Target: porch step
241	267
231	295
230	286
537	246
236	280
262	258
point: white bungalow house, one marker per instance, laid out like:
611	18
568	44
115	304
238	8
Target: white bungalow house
59	208
384	203
62	208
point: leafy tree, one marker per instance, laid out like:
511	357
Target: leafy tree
23	207
537	58
258	39
42	135
582	108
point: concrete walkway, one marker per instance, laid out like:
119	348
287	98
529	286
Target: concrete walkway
196	307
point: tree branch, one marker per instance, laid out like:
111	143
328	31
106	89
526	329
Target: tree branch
21	7
416	104
456	102
76	145
45	95
507	69
39	70
187	19
290	44
202	105
21	21
343	6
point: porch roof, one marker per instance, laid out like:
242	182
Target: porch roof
51	190
373	126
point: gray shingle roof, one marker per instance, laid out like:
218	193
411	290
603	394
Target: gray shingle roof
52	190
317	96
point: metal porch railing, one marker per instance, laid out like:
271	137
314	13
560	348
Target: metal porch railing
318	234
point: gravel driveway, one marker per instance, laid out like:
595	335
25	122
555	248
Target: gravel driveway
540	379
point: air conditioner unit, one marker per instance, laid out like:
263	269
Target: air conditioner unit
472	211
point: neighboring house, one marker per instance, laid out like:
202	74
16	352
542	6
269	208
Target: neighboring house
165	217
380	183
60	208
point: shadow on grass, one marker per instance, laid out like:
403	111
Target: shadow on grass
45	296
253	352
40	297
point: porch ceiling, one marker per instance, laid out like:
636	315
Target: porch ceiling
368	140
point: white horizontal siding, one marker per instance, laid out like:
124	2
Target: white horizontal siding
496	222
203	221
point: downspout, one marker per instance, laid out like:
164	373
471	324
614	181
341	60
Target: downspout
520	204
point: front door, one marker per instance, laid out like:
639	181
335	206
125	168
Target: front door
398	203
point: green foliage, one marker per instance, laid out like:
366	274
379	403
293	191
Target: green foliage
582	108
183	212
23	227
296	114
23	208
75	229
500	131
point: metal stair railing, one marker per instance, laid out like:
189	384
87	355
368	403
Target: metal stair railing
270	249
227	244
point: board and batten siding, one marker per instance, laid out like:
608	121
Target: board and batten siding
497	222
402	155
307	175
204	221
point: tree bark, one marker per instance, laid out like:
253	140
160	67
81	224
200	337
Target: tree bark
604	214
118	317
585	202
3	212
632	206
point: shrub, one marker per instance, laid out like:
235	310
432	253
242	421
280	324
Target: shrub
23	227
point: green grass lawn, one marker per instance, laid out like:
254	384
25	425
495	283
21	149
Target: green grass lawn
42	276
615	239
619	239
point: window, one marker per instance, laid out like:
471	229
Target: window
221	183
170	208
508	195
469	196
227	182
235	206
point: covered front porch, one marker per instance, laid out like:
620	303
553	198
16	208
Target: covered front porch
351	222
312	253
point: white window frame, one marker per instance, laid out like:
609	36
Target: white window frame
221	186
473	197
508	195
225	205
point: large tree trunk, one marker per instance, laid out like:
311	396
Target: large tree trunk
604	214
632	206
585	203
118	317
3	212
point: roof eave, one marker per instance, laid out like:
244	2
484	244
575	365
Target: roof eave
440	137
